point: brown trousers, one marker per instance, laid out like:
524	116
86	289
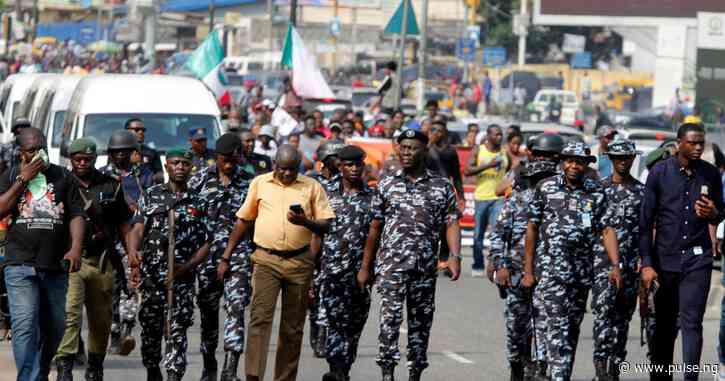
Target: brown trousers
292	277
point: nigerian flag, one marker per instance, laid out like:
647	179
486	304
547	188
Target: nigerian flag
307	80
206	64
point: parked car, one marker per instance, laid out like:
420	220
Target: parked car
538	109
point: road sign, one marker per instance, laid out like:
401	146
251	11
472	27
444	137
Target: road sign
466	49
494	56
395	25
581	60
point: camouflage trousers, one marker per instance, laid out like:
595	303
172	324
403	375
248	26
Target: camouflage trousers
125	300
316	316
237	291
519	326
345	308
152	318
209	292
564	306
539	329
612	311
416	291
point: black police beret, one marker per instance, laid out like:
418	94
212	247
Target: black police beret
412	134
227	144
351	153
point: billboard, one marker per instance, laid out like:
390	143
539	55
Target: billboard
631	8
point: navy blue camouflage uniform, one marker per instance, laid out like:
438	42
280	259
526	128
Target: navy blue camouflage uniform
192	232
222	203
570	222
412	213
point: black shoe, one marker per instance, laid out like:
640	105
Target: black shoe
414	374
336	373
318	341
388	374
517	371
173	376
210	367
231	362
154	374
94	371
613	371
600	370
115	345
64	366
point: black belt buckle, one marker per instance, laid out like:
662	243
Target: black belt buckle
286	254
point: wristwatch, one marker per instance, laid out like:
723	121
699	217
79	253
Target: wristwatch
455	255
20	179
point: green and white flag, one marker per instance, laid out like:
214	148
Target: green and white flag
206	64
307	80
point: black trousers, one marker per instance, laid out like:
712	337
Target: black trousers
683	295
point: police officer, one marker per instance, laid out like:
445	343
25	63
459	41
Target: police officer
134	179
150	158
107	219
567	216
252	162
150	269
201	157
409	206
507	254
330	179
612	310
343	305
546	146
224	187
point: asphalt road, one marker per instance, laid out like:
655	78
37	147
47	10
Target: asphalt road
467	343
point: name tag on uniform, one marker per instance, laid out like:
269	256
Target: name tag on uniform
697	250
587	220
573	205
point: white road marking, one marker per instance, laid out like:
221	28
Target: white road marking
456	357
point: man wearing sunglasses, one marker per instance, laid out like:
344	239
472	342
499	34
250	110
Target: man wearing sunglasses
150	157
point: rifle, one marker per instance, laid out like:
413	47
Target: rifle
170	271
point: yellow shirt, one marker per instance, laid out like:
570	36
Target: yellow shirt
268	202
487	180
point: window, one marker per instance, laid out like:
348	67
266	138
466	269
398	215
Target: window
58	120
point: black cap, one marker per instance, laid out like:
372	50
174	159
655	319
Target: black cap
351	153
412	134
228	144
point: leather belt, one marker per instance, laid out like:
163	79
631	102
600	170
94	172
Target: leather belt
286	253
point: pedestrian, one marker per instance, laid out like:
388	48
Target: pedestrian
519	97
166	205
410	208
223	186
253	163
683	196
286	208
107	219
605	135
567	217
10	152
44	241
585	86
135	179
150	157
602	119
201	156
612	308
487	90
345	306
387	90
507	255
309	139
489	164
265	144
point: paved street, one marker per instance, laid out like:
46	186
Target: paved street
467	343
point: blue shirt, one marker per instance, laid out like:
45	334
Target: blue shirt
604	166
682	240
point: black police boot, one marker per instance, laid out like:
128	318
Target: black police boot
318	340
231	362
517	371
80	358
613	371
64	366
154	374
173	376
209	371
336	373
540	373
127	343
600	370
388	374
414	374
94	371
115	345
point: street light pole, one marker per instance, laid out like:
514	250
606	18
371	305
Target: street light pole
423	56
293	13
522	36
401	57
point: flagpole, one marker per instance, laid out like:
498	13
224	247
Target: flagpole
401	57
293	13
422	61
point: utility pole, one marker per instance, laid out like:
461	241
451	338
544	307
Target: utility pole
150	35
401	57
18	18
270	10
423	56
336	10
211	16
293	13
522	34
353	41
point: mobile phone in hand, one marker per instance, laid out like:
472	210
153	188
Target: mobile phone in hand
297	209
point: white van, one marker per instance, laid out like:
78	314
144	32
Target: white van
35	92
48	112
11	94
169	106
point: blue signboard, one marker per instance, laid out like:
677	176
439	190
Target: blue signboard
494	56
466	49
581	60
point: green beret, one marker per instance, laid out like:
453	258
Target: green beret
82	145
181	152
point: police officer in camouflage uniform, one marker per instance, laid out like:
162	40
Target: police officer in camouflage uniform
224	187
201	156
330	179
192	236
252	162
613	310
134	179
507	254
568	214
410	207
343	306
